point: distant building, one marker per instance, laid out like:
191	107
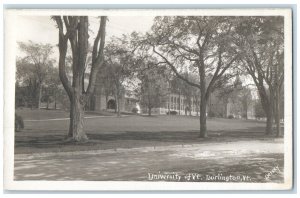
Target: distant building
217	106
99	101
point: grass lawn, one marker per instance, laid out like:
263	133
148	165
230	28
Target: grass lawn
132	147
127	132
42	114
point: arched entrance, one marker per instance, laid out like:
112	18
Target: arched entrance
111	104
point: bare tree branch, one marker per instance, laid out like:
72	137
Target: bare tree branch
99	61
175	70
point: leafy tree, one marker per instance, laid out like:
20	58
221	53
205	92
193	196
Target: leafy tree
26	84
200	44
119	65
259	110
75	30
37	59
261	44
154	86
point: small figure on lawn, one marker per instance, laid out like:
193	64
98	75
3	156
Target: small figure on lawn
19	123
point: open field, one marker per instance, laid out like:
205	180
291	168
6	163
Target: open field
134	147
130	131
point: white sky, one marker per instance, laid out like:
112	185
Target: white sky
42	29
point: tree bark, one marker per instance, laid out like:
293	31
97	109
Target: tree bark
269	124
169	103
203	129
246	111
268	108
203	96
118	105
54	100
76	33
47	103
47	100
40	97
149	111
277	113
76	132
106	100
179	104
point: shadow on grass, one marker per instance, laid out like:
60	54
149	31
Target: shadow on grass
41	142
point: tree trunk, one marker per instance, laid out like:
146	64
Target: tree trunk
47	101
77	28
40	97
54	100
118	106
203	130
197	107
106	100
269	124
76	132
179	104
116	100
149	111
169	103
246	111
277	113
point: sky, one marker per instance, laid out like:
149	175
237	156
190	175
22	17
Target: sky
42	29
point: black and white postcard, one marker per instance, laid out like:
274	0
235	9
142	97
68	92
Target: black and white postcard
179	99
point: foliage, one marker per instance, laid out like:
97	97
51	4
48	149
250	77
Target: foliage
134	110
118	68
172	113
153	86
261	45
230	116
259	110
199	45
211	114
32	70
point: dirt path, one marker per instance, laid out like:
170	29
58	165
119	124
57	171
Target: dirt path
249	160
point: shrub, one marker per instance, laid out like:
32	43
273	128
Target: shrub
172	113
134	110
211	114
19	123
230	116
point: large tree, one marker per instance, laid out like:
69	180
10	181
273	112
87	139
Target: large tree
261	41
200	45
120	65
153	88
38	57
74	30
27	84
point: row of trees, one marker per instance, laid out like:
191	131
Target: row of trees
204	52
214	47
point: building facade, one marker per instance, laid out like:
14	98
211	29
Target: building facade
217	106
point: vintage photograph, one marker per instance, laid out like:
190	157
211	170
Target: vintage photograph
190	99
